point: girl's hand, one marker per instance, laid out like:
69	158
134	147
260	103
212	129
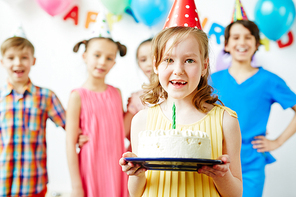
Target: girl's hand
216	170
262	144
130	168
77	192
82	139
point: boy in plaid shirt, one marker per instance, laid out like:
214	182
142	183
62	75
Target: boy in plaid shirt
24	109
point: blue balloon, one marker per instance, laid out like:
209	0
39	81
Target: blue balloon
130	12
150	12
274	17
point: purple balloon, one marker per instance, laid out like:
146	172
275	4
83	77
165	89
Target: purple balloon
224	61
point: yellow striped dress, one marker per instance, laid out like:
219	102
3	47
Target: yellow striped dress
182	184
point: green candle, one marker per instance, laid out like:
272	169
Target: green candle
174	116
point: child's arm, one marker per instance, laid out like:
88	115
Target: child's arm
228	176
262	144
134	105
82	139
72	132
128	116
137	178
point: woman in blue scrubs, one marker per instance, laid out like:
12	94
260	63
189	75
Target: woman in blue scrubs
250	92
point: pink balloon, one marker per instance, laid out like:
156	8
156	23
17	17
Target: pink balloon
54	7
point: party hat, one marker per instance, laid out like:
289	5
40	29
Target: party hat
18	32
238	12
183	13
101	27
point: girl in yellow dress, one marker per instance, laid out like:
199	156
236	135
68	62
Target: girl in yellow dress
181	66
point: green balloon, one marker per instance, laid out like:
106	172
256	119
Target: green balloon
116	6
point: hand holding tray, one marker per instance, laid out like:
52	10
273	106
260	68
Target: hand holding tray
172	164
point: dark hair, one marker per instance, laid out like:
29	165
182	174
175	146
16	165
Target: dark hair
18	42
145	41
122	48
250	25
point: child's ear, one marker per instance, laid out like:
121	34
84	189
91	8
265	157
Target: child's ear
226	48
84	56
34	61
205	67
257	46
154	67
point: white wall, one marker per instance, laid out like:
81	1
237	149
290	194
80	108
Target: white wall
61	70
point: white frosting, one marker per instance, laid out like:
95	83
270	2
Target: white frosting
175	144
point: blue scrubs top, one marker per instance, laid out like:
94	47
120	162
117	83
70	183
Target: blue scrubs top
252	102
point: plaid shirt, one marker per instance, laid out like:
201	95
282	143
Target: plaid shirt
23	138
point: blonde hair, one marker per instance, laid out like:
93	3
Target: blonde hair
17	42
153	92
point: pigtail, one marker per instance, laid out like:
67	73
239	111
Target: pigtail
122	49
76	47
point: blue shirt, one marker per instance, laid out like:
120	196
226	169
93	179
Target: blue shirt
252	100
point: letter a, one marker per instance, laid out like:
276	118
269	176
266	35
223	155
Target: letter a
73	14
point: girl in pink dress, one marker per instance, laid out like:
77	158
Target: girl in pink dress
96	110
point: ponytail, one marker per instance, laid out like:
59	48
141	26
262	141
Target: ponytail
122	48
76	47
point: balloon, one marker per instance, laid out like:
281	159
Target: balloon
223	61
116	6
274	17
150	12
130	12
54	7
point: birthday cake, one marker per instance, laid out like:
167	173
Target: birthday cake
174	144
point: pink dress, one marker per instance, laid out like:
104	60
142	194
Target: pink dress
101	118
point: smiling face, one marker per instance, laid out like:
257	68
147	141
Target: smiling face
144	58
181	68
241	43
100	57
17	63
